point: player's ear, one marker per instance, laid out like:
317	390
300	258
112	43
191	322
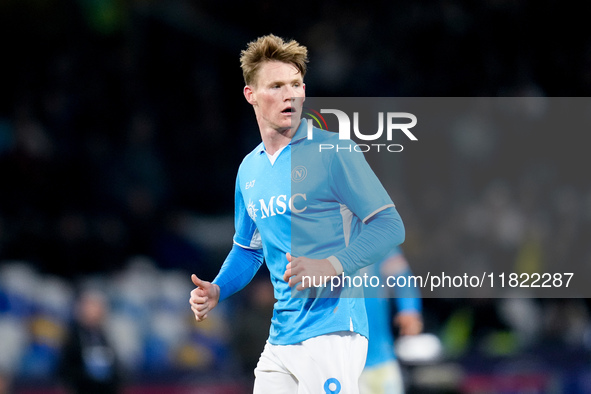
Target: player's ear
304	88
249	95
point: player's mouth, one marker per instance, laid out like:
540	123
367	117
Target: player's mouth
288	110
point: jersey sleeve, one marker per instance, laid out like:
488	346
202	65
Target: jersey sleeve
383	231
408	298
354	184
246	255
238	269
246	233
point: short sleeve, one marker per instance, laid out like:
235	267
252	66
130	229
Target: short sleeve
246	233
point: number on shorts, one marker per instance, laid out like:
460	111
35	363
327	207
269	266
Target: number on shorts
332	386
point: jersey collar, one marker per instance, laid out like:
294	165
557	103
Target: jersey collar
300	134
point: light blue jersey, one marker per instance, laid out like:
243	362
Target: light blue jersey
313	204
381	339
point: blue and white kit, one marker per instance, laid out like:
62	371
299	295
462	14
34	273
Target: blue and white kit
312	203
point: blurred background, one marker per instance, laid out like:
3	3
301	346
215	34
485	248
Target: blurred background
122	124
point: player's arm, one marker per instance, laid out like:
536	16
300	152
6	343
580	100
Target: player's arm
380	233
408	298
298	268
355	185
409	323
237	271
246	256
409	317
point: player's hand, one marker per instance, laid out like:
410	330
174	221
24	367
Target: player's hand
204	298
316	271
409	323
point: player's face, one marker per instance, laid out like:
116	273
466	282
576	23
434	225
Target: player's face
277	96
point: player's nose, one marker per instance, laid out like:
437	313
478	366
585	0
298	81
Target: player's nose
290	93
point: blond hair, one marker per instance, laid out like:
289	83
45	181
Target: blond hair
271	48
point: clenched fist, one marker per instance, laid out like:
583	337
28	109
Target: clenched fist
203	298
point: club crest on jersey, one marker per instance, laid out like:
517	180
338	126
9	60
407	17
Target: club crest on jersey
299	173
252	211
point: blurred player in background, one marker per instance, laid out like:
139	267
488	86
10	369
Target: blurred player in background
382	374
316	344
88	363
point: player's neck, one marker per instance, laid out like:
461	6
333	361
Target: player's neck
275	140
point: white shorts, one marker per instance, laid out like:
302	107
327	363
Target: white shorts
327	364
385	378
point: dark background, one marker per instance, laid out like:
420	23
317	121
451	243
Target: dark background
122	124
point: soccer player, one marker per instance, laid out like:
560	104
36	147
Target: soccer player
382	373
311	216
